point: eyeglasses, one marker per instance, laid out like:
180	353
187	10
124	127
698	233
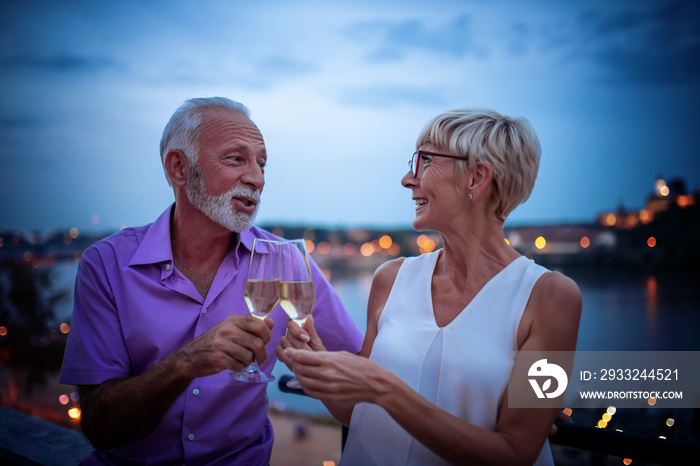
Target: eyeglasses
414	163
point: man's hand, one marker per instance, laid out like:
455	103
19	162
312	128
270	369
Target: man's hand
233	344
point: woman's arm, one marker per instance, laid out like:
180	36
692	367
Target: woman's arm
550	323
308	339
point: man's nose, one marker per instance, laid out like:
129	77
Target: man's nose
254	176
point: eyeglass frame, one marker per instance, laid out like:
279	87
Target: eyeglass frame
420	152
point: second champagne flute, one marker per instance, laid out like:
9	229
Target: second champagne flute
296	287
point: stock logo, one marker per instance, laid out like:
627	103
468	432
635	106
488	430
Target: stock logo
551	371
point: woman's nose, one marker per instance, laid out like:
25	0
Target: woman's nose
408	180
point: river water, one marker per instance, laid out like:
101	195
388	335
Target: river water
622	311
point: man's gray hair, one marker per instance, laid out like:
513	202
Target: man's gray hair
182	131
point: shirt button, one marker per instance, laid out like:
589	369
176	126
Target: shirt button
191	436
167	266
195	392
204	311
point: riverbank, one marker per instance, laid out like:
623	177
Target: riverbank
304	441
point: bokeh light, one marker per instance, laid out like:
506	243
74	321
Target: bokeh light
385	242
540	242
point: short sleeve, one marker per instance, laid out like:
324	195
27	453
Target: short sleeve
95	350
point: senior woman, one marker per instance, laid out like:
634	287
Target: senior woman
429	385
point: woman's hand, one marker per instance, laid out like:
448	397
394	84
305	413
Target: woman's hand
336	377
302	338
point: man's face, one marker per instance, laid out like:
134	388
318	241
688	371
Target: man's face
226	182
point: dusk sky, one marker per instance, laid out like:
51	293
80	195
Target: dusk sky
340	91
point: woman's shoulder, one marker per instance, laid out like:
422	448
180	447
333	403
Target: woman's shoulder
557	286
553	313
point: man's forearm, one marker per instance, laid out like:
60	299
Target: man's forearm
121	411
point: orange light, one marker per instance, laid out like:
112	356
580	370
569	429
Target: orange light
309	246
428	246
63	399
73	233
421	240
685	201
585	242
651	401
602	424
651	242
568	411
385	242
627	461
610	220
3	330
367	249
74	413
64	328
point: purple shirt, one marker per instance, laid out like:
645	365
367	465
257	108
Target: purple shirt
134	308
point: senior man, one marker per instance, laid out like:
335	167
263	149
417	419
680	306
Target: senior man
159	317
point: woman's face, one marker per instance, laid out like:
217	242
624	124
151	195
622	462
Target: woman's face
433	189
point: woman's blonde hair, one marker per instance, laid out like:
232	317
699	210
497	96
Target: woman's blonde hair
510	145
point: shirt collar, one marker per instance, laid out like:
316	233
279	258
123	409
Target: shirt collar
246	238
156	246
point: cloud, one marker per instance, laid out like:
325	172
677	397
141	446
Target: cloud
392	39
280	66
385	95
657	46
59	63
13	123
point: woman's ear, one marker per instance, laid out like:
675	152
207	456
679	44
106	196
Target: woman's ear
480	180
176	165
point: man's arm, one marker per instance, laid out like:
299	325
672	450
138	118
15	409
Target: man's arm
117	412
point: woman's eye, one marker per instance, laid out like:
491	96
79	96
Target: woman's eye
425	158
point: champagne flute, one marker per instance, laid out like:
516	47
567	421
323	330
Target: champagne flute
296	287
260	296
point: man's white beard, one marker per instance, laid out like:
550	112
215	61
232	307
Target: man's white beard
219	208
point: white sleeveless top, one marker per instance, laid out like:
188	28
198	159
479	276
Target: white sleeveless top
463	367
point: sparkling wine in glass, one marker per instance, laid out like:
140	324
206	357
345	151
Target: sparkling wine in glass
260	296
296	288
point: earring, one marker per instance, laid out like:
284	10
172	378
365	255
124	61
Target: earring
471	196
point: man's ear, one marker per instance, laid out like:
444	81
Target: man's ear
480	179
177	166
